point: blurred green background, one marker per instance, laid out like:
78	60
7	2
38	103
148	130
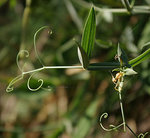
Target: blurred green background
72	105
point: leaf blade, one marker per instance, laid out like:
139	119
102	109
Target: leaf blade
140	58
89	31
122	57
83	58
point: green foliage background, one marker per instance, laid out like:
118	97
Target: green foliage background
77	98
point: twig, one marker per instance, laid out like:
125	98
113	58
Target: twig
24	23
127	5
122	112
131	131
52	67
113	10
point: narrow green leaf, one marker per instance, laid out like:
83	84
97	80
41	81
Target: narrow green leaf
104	44
126	5
122	57
116	69
83	58
119	53
86	122
103	65
140	58
88	35
112	65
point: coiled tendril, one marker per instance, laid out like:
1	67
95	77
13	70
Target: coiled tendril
25	53
112	127
35	47
10	87
48	88
34	89
41	81
143	135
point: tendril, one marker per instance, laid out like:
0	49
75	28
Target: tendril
143	135
10	87
112	127
49	88
26	53
34	89
35	47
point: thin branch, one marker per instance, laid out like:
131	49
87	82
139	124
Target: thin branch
113	10
25	19
88	5
53	67
127	5
131	131
122	112
132	3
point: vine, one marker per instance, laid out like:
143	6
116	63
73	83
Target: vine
10	87
118	80
123	67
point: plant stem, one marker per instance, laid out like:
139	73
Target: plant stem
88	5
131	131
141	10
25	20
52	67
127	5
113	10
132	3
103	65
122	112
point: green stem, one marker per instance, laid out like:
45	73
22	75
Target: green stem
25	20
142	7
35	35
131	131
140	10
115	11
103	65
127	5
122	112
88	5
132	3
112	10
52	67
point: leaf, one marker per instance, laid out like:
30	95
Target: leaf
88	35
116	69
129	71
119	52
104	44
10	87
144	36
145	46
122	57
113	65
103	65
83	58
2	2
126	5
140	58
85	123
